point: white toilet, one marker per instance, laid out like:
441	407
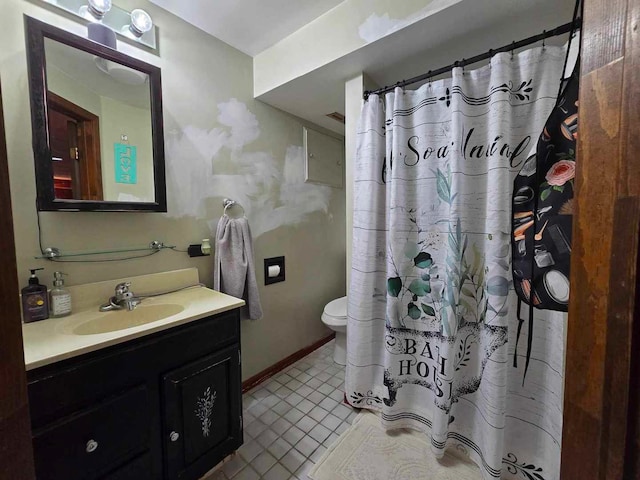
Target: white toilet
335	317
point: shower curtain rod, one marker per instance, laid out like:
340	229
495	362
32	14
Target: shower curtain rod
561	30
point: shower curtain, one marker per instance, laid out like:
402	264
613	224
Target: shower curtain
432	321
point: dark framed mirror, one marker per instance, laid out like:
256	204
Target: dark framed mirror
97	125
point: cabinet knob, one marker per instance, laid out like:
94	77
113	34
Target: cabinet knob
92	445
174	436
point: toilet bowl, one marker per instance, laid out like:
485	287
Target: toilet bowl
335	317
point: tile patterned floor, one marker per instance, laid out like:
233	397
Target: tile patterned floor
290	420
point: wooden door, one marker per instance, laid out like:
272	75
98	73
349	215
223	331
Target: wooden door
74	141
63	141
16	456
601	432
202	414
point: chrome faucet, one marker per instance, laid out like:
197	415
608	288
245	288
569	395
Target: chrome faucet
123	298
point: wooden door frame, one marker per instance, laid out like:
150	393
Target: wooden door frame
89	141
600	426
16	457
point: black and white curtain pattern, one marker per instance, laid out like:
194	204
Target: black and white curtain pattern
432	312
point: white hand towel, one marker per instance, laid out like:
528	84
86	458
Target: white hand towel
234	270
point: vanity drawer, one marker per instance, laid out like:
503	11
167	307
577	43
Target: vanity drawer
90	442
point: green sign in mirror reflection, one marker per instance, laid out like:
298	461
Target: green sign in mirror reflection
126	163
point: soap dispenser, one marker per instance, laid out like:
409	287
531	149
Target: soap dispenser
60	297
35	303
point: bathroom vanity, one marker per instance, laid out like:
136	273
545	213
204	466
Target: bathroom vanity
157	400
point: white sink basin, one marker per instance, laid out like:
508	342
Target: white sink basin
123	319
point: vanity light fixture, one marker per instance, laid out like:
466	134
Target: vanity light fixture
135	27
96	10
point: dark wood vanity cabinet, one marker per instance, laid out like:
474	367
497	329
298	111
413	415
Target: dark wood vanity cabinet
165	406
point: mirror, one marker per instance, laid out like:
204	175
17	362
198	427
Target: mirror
97	125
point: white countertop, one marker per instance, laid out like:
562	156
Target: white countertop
52	340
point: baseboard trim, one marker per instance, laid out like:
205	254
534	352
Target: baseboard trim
257	379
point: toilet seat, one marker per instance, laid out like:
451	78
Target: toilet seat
335	313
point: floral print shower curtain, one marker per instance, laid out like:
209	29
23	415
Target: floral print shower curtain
432	316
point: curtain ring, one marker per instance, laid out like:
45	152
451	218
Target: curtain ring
544	37
513	47
463	66
429	78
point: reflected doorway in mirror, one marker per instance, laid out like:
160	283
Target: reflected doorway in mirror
74	136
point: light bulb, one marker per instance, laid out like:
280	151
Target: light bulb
141	22
98	8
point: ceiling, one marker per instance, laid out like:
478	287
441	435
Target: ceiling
431	43
251	26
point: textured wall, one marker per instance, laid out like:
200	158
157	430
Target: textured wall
220	143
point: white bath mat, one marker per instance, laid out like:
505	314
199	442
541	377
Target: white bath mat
366	452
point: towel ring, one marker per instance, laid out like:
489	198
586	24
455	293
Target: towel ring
228	203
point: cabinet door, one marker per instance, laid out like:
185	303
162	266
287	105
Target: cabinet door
202	413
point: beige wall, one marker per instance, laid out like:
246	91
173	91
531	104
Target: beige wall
216	147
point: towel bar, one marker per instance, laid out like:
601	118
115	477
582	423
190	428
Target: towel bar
228	203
